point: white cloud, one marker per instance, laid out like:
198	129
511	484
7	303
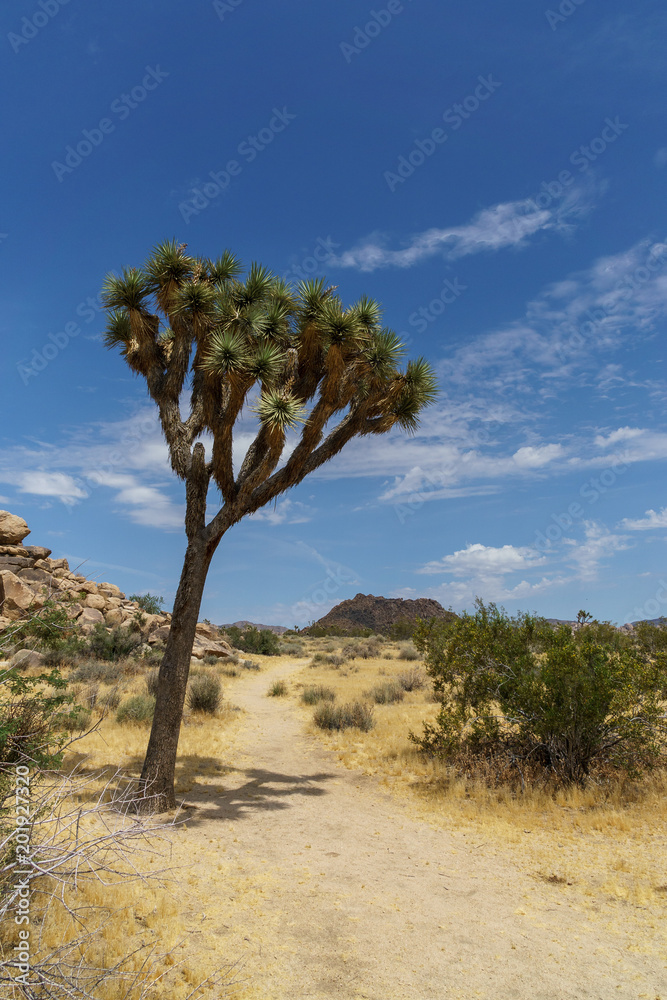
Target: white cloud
650	521
535	457
482	560
600	543
509	224
47	484
622	434
285	512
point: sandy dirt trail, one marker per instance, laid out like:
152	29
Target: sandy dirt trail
332	888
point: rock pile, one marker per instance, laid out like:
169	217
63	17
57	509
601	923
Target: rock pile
380	613
29	577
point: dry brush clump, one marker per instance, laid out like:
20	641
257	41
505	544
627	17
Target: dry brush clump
354	715
316	693
86	850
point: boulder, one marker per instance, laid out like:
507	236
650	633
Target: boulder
160	634
14	563
4	623
88	586
112	602
15	596
38	578
95	601
110	590
90	616
26	658
207	631
13	529
61	574
59	563
114	617
73	610
27	551
207	647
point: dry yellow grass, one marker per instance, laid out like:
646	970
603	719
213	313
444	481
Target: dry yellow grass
146	917
604	844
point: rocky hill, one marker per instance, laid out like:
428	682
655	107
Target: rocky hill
29	578
380	613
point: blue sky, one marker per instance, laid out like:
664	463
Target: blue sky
493	173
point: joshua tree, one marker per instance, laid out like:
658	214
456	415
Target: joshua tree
310	373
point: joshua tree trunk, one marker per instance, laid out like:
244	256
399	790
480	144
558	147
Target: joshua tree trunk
157	776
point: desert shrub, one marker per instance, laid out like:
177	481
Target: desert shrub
366	649
412	680
89	696
109	700
250	665
228	668
402	629
152	657
65	654
354	715
113	645
97	671
386	694
151	682
31	731
76	720
137	710
292	649
252	640
408	652
317	693
277	689
522	697
328	660
204	693
150	603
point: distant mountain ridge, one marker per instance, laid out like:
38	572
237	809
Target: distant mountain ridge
380	613
278	629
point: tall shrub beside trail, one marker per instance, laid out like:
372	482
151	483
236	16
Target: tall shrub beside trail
520	697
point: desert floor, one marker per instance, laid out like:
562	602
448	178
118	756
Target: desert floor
322	883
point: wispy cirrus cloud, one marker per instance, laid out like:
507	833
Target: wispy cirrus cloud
509	224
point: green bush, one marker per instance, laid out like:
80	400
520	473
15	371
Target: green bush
277	690
31	728
520	698
113	645
408	652
77	720
47	628
250	665
251	640
138	709
316	693
355	715
204	693
386	694
150	603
